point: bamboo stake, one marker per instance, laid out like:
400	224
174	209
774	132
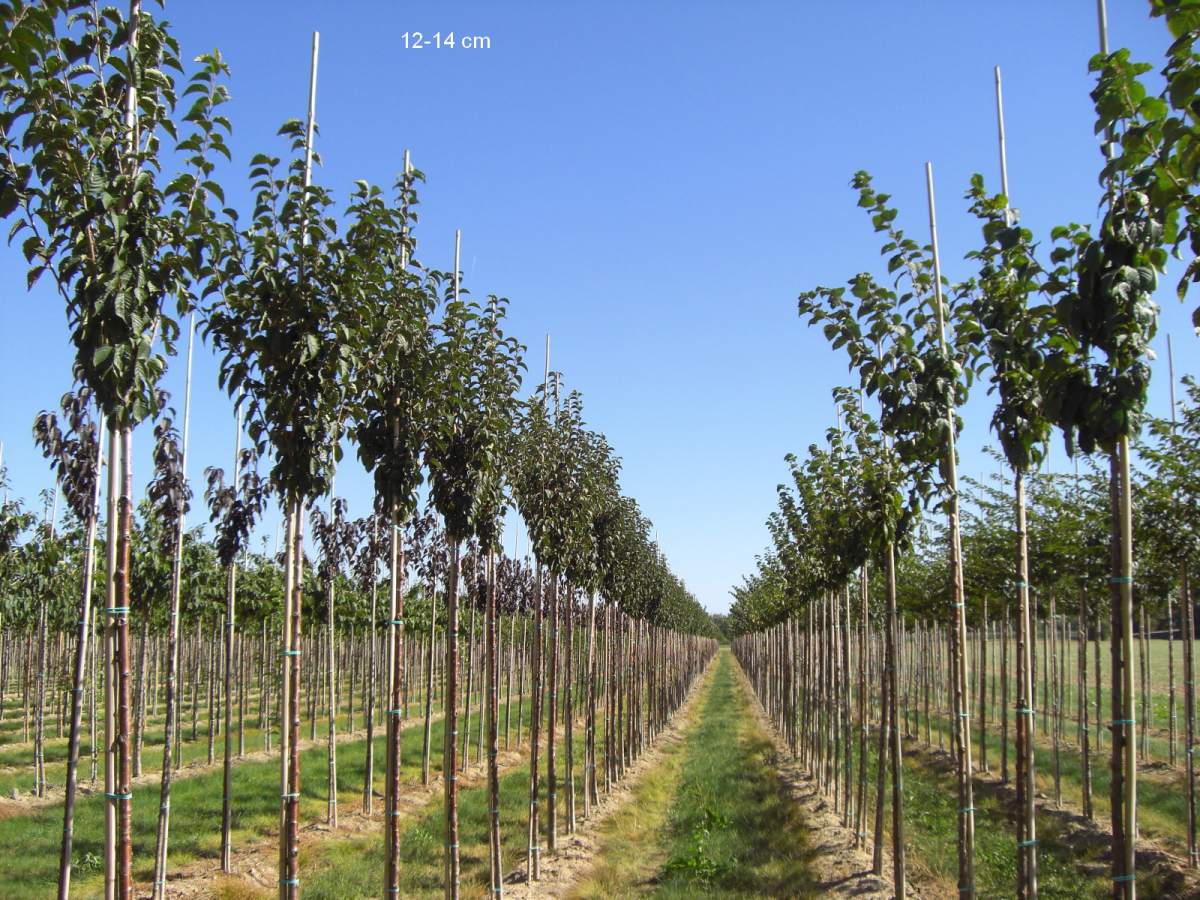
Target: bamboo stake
82	647
230	608
966	813
331	812
171	722
450	768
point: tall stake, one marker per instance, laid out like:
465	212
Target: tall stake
289	710
1026	794
331	816
1189	668
395	663
372	677
110	782
450	728
492	662
170	724
1124	863
962	721
118	856
230	606
81	657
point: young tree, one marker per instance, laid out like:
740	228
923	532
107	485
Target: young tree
169	496
370	547
292	331
1014	336
391	416
80	170
1102	289
495	409
478	368
73	447
234	508
1171	524
920	375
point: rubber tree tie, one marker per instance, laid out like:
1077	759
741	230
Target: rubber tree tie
393	890
290	882
395	813
289	652
1120	579
295	796
395	621
118	796
1032	843
1124	721
1124	879
116	610
967	809
1022	584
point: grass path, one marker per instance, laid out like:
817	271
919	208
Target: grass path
712	819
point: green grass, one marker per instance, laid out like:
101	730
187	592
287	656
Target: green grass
1065	869
195	815
931	834
630	852
16	757
1159	721
341	868
731	829
1162	798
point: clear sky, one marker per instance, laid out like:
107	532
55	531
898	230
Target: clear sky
652	184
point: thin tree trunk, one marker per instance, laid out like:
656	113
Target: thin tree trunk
82	645
450	728
492	664
227	775
395	664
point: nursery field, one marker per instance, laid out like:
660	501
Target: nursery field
315	581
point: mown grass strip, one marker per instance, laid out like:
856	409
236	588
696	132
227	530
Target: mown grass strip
713	820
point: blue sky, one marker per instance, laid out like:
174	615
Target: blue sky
652	184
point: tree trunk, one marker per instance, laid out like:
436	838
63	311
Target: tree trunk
450	728
227	779
81	658
395	680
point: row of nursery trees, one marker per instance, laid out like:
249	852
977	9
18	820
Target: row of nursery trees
1063	337
329	334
